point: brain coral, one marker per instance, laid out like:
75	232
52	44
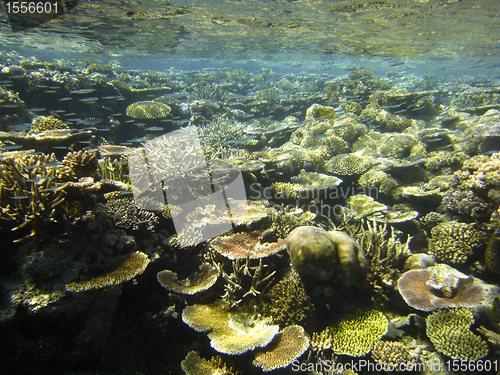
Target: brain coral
148	110
449	331
455	242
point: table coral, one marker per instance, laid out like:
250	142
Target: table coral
291	343
349	164
449	331
200	282
442	286
455	242
125	269
230	332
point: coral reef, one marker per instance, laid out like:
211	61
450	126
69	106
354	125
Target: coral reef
289	302
354	335
449	332
492	253
392	353
129	215
318	253
349	165
456	243
200	282
246	245
289	344
230	332
442	286
82	163
125	269
148	110
42	123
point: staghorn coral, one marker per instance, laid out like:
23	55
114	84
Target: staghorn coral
455	243
441	286
29	196
230	332
148	110
125	269
129	215
246	245
113	168
200	282
449	332
289	344
349	165
42	123
245	280
354	335
82	163
290	303
385	254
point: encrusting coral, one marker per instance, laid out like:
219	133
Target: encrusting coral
449	332
126	268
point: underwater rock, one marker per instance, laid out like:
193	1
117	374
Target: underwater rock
289	344
318	253
442	286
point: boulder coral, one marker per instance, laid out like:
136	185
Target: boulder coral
318	253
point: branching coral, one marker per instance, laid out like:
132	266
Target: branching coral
449	331
82	163
129	215
289	302
42	123
29	197
455	243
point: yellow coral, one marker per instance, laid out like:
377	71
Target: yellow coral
42	123
355	335
449	331
129	267
148	110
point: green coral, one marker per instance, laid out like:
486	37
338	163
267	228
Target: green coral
355	335
148	110
42	123
449	331
455	243
290	303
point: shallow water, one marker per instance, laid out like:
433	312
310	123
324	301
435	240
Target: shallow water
157	158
